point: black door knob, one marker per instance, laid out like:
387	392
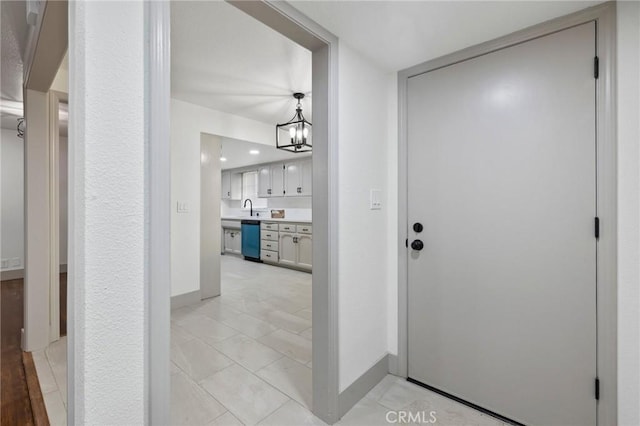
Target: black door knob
417	245
417	227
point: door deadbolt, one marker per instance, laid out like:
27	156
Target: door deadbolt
417	245
417	227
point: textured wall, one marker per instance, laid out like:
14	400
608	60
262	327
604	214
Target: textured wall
629	213
107	203
11	154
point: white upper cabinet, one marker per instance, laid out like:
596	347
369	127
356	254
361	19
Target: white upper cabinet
292	179
297	178
289	180
231	186
277	180
271	180
306	177
264	181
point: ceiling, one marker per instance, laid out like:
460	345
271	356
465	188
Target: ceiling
14	39
399	34
223	59
237	154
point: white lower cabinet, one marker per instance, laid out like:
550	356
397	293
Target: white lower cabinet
232	241
288	249
287	244
269	256
269	242
305	251
295	249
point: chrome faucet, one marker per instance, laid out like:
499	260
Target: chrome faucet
250	204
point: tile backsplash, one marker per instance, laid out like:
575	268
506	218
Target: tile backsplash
295	208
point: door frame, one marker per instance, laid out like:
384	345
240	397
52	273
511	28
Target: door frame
55	99
604	16
288	21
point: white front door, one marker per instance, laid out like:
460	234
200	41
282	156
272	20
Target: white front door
502	177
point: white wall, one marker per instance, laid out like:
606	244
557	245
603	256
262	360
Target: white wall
107	273
210	226
36	216
12	156
187	122
363	165
628	213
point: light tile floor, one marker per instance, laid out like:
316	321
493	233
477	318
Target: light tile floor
244	358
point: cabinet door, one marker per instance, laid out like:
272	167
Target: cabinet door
236	246
264	182
287	248
235	186
226	186
277	180
306	177
292	179
228	241
305	251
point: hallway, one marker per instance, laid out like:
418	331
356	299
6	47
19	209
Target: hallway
244	358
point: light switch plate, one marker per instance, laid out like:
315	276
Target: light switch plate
376	199
183	207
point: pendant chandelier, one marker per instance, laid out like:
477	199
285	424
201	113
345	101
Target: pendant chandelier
295	135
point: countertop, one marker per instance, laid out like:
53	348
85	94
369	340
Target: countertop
266	219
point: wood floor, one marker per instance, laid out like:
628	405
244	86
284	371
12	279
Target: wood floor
16	406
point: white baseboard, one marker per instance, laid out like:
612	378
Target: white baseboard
12	274
358	389
18	274
185	299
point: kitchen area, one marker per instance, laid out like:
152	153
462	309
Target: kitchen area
266	206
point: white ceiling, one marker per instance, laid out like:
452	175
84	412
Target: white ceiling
14	40
223	59
399	34
226	60
238	154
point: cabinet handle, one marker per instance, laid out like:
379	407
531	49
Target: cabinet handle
295	240
269	191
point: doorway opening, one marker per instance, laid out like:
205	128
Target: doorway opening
253	313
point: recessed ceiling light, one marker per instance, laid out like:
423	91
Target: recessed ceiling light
223	159
254	152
